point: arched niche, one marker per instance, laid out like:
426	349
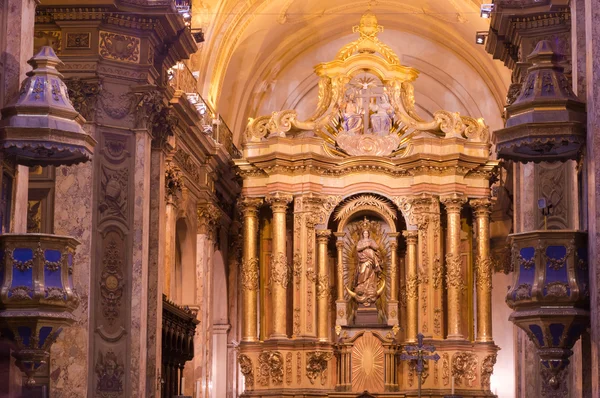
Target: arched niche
185	272
380	217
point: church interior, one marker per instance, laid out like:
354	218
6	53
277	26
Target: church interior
299	198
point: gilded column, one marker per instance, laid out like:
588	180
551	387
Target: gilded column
412	285
340	303
393	272
482	209
454	277
280	271
249	207
322	286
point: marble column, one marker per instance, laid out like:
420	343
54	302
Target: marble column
482	209
280	270
592	41
170	248
412	285
392	309
322	286
454	274
249	208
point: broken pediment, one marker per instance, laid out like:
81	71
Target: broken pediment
366	105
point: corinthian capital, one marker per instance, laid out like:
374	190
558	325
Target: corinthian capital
249	206
453	202
279	201
482	207
323	235
209	216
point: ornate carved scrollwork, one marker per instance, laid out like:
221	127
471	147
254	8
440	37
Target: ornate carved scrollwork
487	368
270	364
247	370
464	368
483	269
250	274
454	276
280	270
316	365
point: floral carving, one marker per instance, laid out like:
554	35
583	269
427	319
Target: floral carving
109	372
523	291
316	365
412	287
437	321
454	273
20	265
297	268
487	368
557	289
296	326
464	368
247	370
280	271
527	264
484	272
270	365
54	294
173	180
322	286
250	274
288	368
20	293
298	368
437	272
446	369
113	192
119	47
111	281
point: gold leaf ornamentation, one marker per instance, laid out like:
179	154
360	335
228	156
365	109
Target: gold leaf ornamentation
316	365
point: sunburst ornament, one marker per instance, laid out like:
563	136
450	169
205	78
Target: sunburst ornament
367	364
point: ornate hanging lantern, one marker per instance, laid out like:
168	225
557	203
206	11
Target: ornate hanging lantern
42	127
550	297
36	294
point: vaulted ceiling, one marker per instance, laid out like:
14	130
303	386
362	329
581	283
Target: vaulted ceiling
259	55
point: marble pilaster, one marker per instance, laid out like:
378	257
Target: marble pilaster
156	270
592	40
69	358
138	325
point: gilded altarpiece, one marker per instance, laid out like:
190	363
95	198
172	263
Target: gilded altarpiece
389	220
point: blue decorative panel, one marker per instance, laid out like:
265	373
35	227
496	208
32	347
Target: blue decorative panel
556	267
22	267
25	333
556	331
44	333
537	332
526	266
52	268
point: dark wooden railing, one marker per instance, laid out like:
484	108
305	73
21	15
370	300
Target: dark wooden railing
178	328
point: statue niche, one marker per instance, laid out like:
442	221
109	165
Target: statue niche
366	258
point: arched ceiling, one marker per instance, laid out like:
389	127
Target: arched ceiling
259	54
